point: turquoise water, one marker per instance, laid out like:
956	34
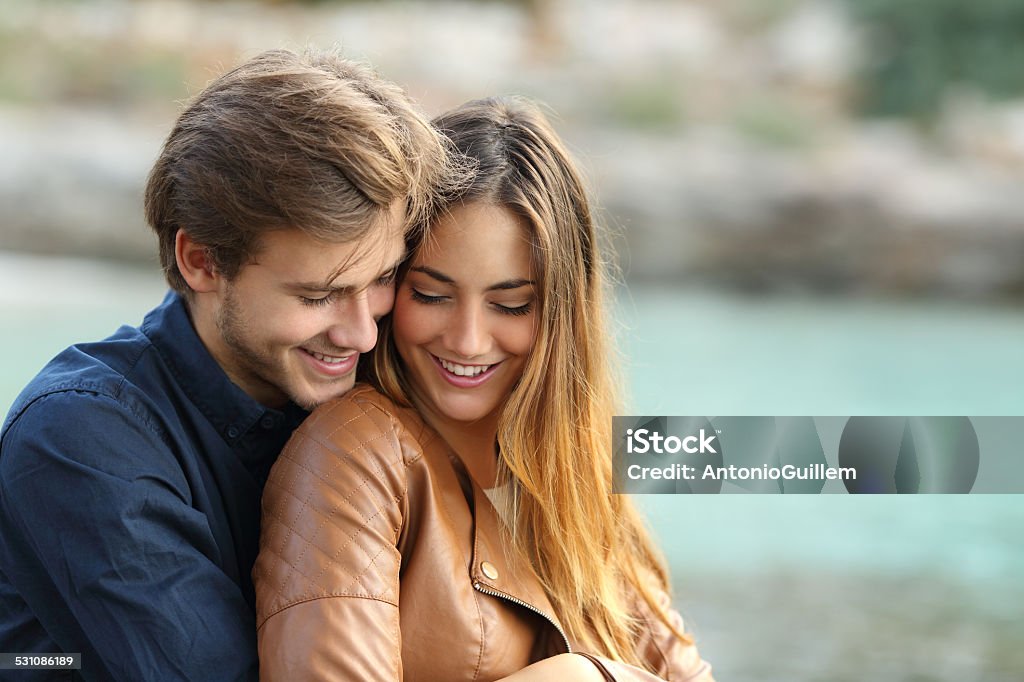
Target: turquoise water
777	588
704	353
47	304
837	587
686	351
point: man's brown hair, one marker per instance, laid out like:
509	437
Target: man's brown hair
312	141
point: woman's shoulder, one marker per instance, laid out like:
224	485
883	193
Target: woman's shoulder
357	402
334	502
364	420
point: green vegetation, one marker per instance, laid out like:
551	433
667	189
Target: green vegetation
35	69
773	122
644	103
918	48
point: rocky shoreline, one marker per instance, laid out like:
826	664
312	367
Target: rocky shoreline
720	144
869	212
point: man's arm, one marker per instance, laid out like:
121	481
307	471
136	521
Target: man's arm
101	541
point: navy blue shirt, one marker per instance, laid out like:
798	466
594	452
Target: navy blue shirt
130	478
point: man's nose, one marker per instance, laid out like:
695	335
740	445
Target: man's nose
355	326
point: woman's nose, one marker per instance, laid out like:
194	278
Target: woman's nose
467	335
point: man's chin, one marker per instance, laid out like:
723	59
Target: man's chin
311	400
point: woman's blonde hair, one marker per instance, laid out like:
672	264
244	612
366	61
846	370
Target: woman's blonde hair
587	545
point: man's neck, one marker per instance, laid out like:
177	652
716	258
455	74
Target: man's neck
204	321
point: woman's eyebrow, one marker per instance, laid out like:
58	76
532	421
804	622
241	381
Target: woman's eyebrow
510	284
445	279
435	274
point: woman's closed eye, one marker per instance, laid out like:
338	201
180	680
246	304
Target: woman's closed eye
523	309
503	308
428	299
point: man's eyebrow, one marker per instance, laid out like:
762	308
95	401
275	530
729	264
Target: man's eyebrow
500	286
326	287
344	289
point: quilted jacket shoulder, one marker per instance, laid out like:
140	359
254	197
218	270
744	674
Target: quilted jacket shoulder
350	455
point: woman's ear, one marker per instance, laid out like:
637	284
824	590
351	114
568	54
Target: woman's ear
194	264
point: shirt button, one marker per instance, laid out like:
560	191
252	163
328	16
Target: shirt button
489	570
267	422
233	431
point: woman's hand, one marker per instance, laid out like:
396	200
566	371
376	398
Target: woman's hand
563	667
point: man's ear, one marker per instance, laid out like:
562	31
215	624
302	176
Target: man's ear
194	264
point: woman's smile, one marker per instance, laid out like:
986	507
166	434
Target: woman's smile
465	376
464	320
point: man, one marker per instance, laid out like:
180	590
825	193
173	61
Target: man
131	468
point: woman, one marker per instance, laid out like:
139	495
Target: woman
457	523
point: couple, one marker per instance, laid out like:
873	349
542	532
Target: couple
451	518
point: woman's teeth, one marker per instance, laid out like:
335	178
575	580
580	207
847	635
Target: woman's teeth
464	370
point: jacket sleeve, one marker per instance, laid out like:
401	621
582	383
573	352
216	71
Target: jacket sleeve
670	658
101	544
327	576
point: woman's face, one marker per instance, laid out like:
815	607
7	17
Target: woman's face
465	313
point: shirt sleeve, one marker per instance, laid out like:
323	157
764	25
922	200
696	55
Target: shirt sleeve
327	576
102	543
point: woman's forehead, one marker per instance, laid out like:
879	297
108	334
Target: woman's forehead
474	237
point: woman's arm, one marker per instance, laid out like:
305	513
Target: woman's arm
662	652
327	576
564	667
589	668
670	658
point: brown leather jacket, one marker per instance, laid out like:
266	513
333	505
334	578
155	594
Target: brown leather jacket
380	559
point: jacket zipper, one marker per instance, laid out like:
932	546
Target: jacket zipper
494	593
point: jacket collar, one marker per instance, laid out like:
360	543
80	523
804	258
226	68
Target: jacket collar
490	568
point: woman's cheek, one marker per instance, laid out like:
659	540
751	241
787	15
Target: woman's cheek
527	335
412	323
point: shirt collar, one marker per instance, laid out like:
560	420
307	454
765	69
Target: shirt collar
232	411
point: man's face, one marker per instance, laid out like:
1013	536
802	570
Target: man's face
292	323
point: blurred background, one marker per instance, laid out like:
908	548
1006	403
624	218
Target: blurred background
817	206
